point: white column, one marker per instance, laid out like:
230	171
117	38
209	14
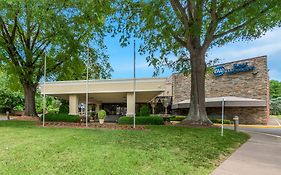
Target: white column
130	104
73	104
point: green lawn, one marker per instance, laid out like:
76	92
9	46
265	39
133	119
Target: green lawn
276	116
28	149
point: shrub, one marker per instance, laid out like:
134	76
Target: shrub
101	114
144	111
64	107
51	117
141	120
219	121
177	118
275	106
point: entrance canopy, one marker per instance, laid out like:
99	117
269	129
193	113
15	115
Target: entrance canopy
105	91
229	101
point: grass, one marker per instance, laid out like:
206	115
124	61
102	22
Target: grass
28	149
276	116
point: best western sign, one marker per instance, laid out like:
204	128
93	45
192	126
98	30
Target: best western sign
236	68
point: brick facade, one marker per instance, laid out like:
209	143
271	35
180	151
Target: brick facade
251	84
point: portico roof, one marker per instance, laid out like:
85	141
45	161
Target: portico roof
106	91
229	101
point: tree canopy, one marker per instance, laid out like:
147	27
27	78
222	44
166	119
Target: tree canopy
59	30
191	28
275	89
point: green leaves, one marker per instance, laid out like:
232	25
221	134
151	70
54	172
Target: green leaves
61	30
275	89
169	27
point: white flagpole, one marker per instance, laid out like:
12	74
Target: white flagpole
135	83
44	98
87	79
222	116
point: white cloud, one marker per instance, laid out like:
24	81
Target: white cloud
269	44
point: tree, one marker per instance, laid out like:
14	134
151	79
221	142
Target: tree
275	89
61	30
179	27
11	97
275	106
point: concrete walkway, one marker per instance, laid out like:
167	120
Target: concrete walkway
274	121
260	155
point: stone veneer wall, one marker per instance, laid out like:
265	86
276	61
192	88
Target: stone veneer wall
252	84
247	115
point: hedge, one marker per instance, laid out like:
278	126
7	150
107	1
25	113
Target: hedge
141	120
219	121
177	118
50	117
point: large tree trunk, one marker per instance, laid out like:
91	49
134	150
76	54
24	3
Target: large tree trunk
29	99
197	111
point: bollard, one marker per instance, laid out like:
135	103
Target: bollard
8	115
236	123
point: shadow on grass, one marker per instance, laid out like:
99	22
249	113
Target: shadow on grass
15	123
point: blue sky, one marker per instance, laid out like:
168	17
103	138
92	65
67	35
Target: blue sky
121	59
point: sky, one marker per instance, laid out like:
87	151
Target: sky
121	59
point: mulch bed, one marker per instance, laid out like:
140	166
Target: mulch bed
92	125
26	118
196	125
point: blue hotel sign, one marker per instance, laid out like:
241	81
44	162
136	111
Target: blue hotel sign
236	68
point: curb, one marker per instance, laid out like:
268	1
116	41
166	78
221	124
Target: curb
251	126
262	133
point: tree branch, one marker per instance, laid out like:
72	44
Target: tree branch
35	38
241	25
243	6
177	7
178	39
212	26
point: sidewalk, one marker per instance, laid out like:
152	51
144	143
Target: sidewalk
260	155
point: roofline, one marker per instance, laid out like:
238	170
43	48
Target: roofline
107	80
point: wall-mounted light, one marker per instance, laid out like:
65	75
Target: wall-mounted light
255	72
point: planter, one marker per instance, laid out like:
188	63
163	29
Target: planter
101	121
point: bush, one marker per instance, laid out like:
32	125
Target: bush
177	118
50	117
101	114
64	107
144	111
219	121
141	120
275	106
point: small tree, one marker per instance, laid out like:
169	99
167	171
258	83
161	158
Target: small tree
101	114
275	106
